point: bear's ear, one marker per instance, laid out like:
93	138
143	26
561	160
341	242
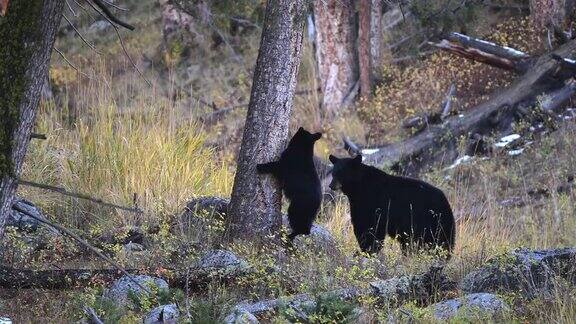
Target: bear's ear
301	129
316	136
333	159
358	159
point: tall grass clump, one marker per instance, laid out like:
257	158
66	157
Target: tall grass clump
147	155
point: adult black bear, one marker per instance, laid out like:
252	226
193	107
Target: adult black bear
299	180
414	212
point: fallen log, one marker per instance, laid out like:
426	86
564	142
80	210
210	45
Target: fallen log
419	123
479	50
63	279
13	278
439	143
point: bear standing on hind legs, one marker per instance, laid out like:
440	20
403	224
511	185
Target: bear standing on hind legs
299	180
411	211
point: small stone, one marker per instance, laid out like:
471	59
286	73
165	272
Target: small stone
131	247
163	314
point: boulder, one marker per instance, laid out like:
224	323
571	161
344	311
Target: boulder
298	306
479	306
121	289
163	314
201	214
240	316
220	264
21	220
207	205
320	235
531	272
411	287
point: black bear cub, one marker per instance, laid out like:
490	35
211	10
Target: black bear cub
413	212
299	180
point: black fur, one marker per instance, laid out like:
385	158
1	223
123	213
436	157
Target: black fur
414	212
299	180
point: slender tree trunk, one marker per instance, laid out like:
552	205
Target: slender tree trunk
256	200
376	35
335	51
364	51
27	34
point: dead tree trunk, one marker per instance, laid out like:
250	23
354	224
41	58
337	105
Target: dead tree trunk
27	33
376	34
549	75
364	51
335	52
255	202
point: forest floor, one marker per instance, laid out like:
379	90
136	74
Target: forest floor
112	136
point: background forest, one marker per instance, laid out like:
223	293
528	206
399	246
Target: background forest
152	120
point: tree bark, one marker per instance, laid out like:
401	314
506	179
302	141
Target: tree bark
335	51
547	13
27	33
376	35
256	200
364	50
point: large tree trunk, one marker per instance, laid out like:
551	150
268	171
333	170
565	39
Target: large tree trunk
335	51
256	200
376	35
364	51
27	34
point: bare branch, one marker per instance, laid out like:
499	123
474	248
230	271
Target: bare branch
38	136
106	12
70	63
121	42
70	8
80	35
77	195
448	102
115	6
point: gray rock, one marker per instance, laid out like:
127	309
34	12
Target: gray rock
220	263
208	205
200	214
123	287
21	220
299	306
241	316
473	306
319	234
163	314
131	247
412	287
529	272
